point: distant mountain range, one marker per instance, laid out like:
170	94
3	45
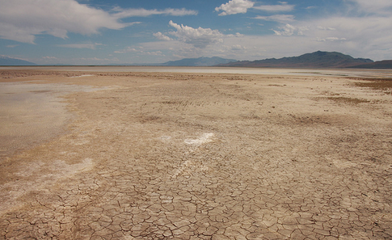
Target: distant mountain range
199	62
386	64
317	59
6	61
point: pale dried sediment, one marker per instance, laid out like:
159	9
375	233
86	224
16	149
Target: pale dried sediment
208	156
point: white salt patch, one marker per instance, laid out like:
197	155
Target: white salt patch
86	75
165	138
59	170
205	138
182	168
185	168
70	169
343	164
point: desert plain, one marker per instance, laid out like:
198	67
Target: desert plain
109	153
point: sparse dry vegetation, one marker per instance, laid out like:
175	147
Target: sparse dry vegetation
347	100
384	85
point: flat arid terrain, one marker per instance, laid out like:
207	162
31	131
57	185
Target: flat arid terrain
100	154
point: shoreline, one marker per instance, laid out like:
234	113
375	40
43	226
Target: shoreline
344	72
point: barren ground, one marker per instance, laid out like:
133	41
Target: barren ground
201	156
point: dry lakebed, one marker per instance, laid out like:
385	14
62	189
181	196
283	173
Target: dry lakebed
195	153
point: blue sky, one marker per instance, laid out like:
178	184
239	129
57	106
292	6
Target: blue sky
155	31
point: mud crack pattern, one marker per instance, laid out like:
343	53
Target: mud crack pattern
174	156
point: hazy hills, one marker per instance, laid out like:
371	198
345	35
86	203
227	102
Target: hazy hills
6	61
199	62
386	64
317	59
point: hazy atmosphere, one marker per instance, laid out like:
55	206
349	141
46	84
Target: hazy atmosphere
155	31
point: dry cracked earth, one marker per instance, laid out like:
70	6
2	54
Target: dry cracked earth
205	156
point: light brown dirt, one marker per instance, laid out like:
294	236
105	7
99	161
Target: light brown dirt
206	156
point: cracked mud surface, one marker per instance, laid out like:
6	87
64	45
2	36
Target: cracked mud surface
206	156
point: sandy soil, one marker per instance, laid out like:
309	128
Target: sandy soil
203	156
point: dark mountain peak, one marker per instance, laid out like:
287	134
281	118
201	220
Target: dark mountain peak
318	53
319	59
323	55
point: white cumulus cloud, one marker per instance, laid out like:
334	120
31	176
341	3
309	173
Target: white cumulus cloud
365	36
283	7
198	37
376	6
234	7
140	51
242	6
282	18
124	13
162	36
289	30
326	28
81	45
22	20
